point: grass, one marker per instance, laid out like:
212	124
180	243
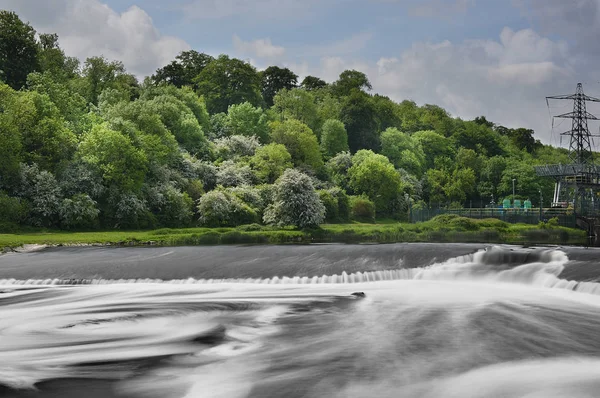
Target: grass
445	228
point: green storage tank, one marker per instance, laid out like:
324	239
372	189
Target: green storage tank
506	204
527	204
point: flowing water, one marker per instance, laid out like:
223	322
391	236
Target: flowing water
378	321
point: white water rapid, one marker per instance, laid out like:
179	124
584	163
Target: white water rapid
496	323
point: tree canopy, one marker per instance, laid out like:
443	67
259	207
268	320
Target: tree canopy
211	140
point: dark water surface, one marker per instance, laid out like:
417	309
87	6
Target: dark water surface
435	320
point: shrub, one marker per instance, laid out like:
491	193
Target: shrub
221	208
233	174
12	210
331	205
362	209
236	146
79	211
295	202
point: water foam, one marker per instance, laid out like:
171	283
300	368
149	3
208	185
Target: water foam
537	267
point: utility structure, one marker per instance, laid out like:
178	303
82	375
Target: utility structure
577	182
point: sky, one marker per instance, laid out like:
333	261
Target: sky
498	58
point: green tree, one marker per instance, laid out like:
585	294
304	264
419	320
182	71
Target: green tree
244	119
114	157
434	145
386	112
491	176
270	161
433	117
374	175
313	83
410	114
296	202
337	168
53	61
460	184
18	50
274	79
181	122
296	104
45	137
359	116
479	138
334	138
99	74
403	151
71	105
300	142
228	81
10	137
350	80
183	70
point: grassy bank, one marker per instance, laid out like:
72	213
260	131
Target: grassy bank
446	228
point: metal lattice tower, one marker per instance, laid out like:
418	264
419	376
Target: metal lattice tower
580	147
577	183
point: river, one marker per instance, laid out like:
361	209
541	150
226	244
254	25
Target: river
398	320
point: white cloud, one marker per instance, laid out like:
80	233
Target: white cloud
439	8
506	80
90	28
350	45
258	9
261	48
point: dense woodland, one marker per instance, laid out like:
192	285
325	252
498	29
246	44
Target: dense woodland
215	142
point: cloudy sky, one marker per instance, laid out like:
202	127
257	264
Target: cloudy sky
498	58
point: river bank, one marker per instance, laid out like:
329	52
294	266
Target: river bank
442	229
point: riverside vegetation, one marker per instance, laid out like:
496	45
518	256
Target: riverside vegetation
211	150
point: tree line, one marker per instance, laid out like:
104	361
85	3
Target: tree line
215	142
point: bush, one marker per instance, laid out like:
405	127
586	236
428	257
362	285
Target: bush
132	212
362	209
250	227
221	208
331	205
42	190
12	210
295	202
79	211
236	146
343	202
233	174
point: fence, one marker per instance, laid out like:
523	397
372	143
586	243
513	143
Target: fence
529	216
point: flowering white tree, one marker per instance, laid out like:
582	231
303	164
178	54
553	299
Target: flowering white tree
295	202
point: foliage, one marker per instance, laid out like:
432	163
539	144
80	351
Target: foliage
232	174
270	161
359	116
298	104
18	50
403	151
362	209
91	147
295	202
274	79
41	190
114	157
373	175
300	142
236	146
221	208
244	119
334	138
79	211
228	81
